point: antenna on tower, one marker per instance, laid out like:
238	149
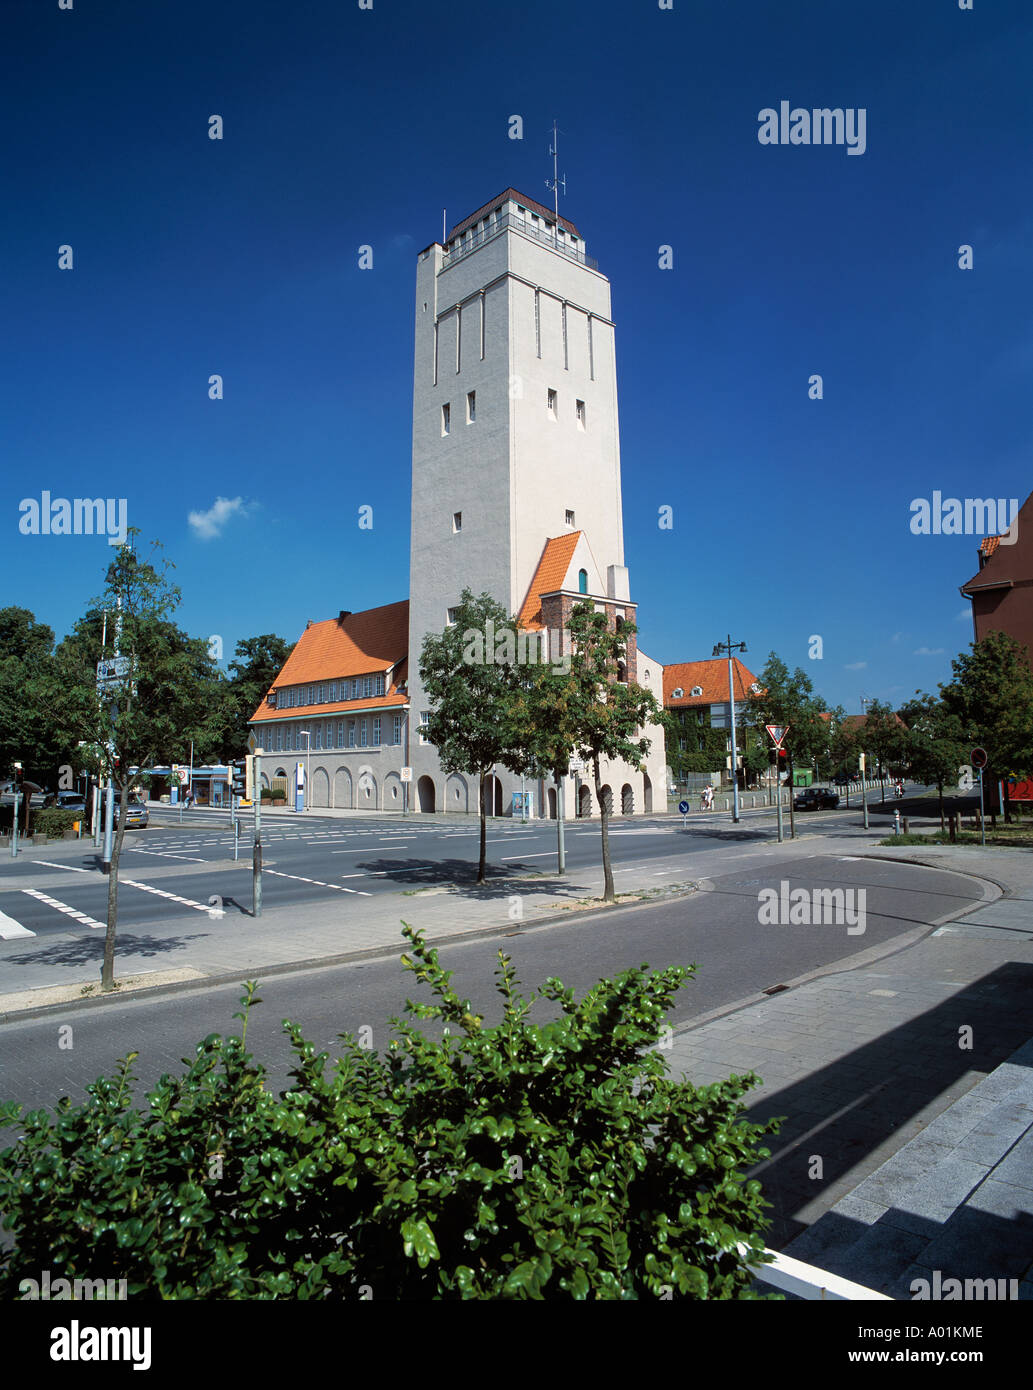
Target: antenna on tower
555	183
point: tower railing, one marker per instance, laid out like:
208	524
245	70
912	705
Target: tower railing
470	242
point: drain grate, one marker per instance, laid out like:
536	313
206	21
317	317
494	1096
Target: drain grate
775	989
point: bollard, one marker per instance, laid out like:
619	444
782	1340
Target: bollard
906	831
896	822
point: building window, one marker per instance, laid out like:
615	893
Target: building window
340	733
453	616
329	734
471	407
580	407
457	522
424	722
396	728
363	732
445	419
279	740
367	689
379	684
333	692
569	518
322	695
582	581
552	404
376	732
318	731
351	733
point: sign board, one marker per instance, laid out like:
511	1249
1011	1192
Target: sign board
683	807
252	742
576	765
183	774
978	757
406	774
299	776
777	733
112	669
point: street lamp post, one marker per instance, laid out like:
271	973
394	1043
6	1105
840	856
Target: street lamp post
729	647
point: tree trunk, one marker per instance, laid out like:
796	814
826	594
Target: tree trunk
107	978
482	866
939	788
608	894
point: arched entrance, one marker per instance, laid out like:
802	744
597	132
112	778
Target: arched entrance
627	800
320	787
584	804
457	794
552	803
367	789
493	788
343	789
647	793
425	793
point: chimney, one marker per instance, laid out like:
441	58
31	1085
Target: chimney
344	613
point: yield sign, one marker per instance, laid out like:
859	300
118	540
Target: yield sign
777	733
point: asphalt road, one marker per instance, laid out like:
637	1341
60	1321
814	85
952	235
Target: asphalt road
179	874
719	929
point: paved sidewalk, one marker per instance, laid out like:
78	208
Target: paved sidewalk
908	1093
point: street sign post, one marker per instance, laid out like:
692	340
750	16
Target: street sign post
777	734
683	807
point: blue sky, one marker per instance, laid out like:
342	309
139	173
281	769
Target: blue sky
345	127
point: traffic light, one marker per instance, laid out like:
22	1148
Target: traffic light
238	777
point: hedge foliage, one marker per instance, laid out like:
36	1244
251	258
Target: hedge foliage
543	1161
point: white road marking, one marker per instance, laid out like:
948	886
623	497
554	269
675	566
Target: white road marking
70	867
543	854
408	869
168	854
161	893
63	907
320	884
9	927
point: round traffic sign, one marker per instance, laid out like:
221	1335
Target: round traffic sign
683	807
979	757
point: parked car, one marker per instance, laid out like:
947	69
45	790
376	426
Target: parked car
67	801
845	779
815	799
136	814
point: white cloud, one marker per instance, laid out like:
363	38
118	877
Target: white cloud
965	616
207	526
855	665
928	651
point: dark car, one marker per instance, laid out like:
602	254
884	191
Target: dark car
815	799
845	779
68	801
136	814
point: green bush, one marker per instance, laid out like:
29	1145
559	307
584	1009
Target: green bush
268	793
54	820
551	1161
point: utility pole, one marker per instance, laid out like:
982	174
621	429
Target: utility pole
256	855
729	647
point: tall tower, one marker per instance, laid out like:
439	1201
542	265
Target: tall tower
515	432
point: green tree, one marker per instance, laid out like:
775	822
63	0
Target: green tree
992	696
27	731
883	737
588	711
789	699
257	662
470	673
936	745
150	712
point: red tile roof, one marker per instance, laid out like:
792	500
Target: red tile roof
712	675
360	644
548	577
504	197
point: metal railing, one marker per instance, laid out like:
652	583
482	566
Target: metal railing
509	222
